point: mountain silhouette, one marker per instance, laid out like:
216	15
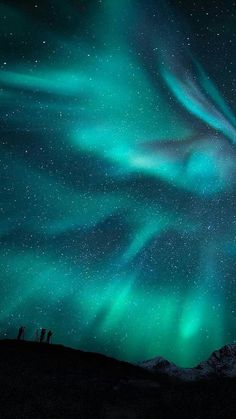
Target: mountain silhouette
53	381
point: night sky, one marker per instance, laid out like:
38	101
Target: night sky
118	175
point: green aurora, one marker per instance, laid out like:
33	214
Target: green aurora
118	171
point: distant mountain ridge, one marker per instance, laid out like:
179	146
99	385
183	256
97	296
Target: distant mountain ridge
221	363
53	381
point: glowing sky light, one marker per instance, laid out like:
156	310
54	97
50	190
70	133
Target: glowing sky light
118	176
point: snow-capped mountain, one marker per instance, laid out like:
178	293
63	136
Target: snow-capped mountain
221	363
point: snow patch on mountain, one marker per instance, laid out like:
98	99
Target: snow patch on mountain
221	363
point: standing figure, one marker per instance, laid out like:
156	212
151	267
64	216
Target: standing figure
49	336
36	338
42	335
21	333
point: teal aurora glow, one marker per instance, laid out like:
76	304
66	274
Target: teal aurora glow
118	173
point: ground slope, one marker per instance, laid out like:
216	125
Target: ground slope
52	381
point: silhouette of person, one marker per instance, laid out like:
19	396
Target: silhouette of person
42	335
36	335
49	336
21	333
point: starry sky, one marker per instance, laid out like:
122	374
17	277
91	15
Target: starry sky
118	168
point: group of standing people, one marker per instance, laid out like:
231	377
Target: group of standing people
40	335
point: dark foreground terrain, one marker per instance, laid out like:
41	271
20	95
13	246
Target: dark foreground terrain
52	381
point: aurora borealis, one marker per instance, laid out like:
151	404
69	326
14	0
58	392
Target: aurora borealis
118	168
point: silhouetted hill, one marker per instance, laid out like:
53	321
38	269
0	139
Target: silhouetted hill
52	381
